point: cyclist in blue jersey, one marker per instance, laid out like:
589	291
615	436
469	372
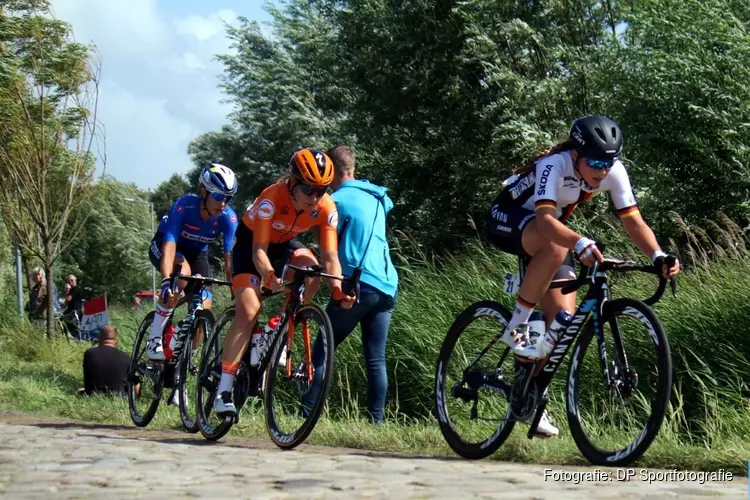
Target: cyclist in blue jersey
194	221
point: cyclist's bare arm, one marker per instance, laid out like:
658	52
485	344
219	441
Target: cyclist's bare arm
331	265
168	252
554	230
640	233
228	266
261	260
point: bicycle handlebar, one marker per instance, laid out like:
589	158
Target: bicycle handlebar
588	276
312	271
201	279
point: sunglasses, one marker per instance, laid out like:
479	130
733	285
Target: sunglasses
221	197
310	191
600	164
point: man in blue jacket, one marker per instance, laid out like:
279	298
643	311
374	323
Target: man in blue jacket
362	210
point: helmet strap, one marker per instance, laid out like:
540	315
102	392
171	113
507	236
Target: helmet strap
578	171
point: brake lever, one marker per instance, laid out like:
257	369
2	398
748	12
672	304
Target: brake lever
673	286
593	271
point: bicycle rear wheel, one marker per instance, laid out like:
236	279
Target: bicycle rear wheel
188	366
210	425
616	423
145	378
293	403
472	390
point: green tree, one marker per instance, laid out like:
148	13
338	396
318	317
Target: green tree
167	193
48	96
110	255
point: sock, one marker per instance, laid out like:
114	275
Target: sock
160	319
228	371
522	313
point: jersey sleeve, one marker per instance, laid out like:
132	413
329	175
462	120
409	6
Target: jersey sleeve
621	191
547	183
263	209
174	221
230	228
328	225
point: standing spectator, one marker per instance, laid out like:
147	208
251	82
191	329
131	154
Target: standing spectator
74	308
66	290
38	297
362	209
105	367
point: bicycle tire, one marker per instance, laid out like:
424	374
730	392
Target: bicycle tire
141	420
469	450
203	407
290	440
208	319
638	447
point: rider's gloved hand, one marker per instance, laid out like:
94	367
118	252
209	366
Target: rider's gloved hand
666	265
272	282
587	251
166	289
343	300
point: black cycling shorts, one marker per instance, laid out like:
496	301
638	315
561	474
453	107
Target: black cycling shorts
504	230
242	257
198	261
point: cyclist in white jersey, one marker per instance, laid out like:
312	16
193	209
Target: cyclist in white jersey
528	219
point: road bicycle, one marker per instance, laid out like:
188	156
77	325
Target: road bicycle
497	391
281	378
147	379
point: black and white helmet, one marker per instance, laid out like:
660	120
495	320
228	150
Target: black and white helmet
217	178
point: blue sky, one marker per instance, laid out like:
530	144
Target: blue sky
159	81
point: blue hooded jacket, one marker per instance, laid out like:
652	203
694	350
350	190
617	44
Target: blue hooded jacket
362	209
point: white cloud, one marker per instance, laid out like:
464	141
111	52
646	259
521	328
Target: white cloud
159	81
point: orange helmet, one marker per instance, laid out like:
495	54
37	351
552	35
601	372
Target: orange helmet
312	167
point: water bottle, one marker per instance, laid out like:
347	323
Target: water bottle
256	342
168	334
268	337
560	323
178	337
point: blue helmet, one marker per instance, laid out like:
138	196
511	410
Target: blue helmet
217	178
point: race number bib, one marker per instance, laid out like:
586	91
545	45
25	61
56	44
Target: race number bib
512	284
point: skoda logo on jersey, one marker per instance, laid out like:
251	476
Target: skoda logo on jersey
314	214
543	180
266	209
333	219
233	218
278	225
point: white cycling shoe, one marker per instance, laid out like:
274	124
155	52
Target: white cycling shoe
522	343
545	429
155	349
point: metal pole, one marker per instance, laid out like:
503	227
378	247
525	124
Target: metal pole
153	269
19	281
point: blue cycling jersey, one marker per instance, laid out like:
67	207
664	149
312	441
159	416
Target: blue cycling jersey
185	226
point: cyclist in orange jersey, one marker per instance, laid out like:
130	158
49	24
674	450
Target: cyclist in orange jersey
294	204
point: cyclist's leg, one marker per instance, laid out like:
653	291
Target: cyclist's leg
514	230
554	301
164	310
198	265
302	257
246	283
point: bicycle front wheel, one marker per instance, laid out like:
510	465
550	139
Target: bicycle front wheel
193	351
210	425
618	391
297	381
145	380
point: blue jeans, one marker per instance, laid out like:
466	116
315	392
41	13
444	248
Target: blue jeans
373	313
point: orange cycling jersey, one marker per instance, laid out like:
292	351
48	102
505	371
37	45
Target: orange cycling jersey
273	219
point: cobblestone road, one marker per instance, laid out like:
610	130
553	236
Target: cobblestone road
52	458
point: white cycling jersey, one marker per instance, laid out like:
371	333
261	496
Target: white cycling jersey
554	183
